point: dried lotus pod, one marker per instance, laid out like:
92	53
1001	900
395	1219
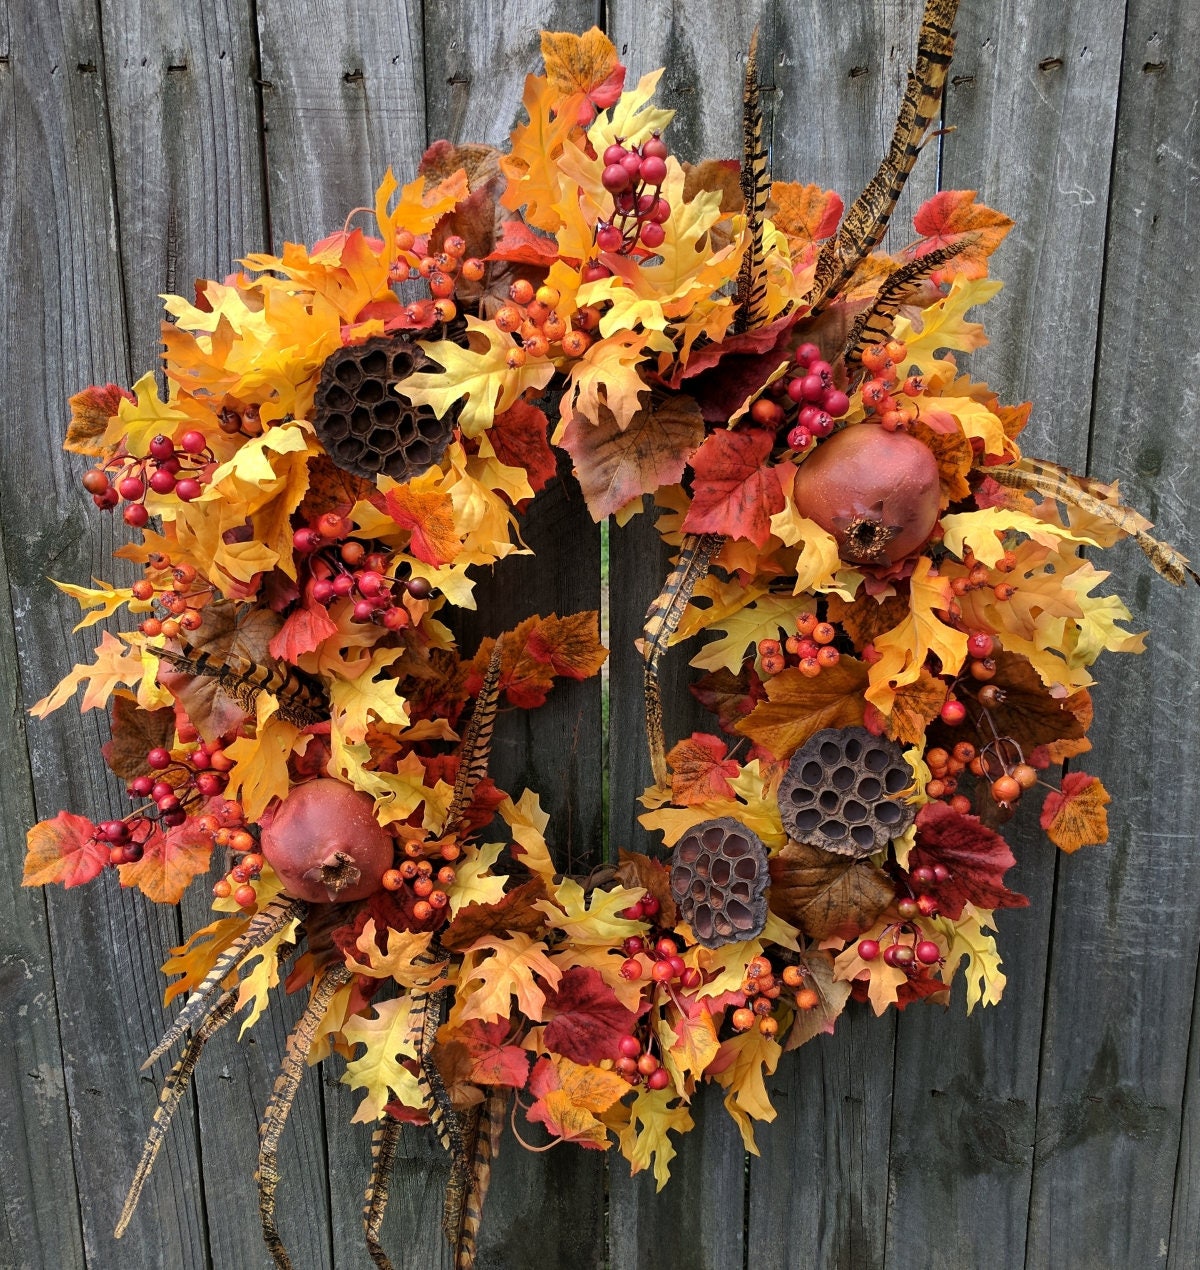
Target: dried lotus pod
365	424
719	881
841	792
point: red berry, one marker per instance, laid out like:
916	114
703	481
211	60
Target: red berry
953	712
629	1046
245	895
812	388
907	907
187	489
835	403
690	979
928	952
633	945
608	238
662	971
193	442
650	905
821	425
807	354
162	481
800	438
131	487
659	1079
162	447
928	905
631	969
95	481
923	875
655	148
653	170
980	644
666	947
614	154
158	758
647	1064
615	178
136	515
868	949
653	235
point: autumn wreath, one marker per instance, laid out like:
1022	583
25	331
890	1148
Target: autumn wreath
901	622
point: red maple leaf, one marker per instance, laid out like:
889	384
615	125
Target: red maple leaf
699	769
976	856
518	436
305	629
587	1020
735	492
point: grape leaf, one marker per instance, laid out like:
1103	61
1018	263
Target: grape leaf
584	70
699	770
586	1019
169	862
304	629
639	870
866	617
949	217
976	856
135	732
914	707
729	696
735	491
91	410
569	1096
615	465
797	706
569	645
827	896
421	506
517	438
1074	816
63	850
807	214
493	1061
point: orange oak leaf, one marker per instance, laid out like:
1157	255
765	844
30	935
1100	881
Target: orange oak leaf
584	70
429	513
949	217
1074	816
569	645
518	439
797	707
91	410
735	491
515	911
519	245
63	850
169	862
700	771
534	180
615	465
114	666
304	629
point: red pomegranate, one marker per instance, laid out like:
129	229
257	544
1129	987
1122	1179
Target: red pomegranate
877	492
325	843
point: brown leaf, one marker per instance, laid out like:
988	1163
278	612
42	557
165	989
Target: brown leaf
916	705
865	618
818	967
569	645
91	410
797	707
827	896
1030	714
954	456
637	870
515	912
700	771
135	732
615	465
727	695
331	488
715	174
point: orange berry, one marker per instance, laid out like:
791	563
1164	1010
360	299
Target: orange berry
1005	790
554	328
768	1026
1025	776
222	889
757	967
508	318
935	788
896	350
743	1019
773	663
521	291
242	841
1004	591
515	358
807	999
445	310
937	757
823	633
404	240
391	880
828	655
245	895
793	976
575	343
441	285
964	751
810	667
547	296
537	345
806	623
961	804
472	269
455	245
768	646
422	911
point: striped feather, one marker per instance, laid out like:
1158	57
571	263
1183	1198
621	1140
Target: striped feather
1052	481
867	219
170	1096
874	324
244	679
662	620
468	1186
476	747
262	927
756	189
424	1019
384	1145
295	1063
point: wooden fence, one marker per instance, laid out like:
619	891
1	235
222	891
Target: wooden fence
146	142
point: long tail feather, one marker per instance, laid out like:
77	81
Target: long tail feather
867	219
384	1145
299	1043
424	1019
262	927
476	748
468	1185
171	1095
662	620
756	189
1052	481
244	680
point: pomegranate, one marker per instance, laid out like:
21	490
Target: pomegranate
877	492
325	843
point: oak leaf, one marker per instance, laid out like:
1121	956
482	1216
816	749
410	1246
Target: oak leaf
699	770
645	1141
114	667
63	849
605	378
399	959
260	765
169	862
381	1069
976	857
827	895
514	911
616	465
103	601
687	1038
528	823
762	617
741	1066
883	982
586	1019
569	1096
797	706
1074	816
534	181
1030	713
592	917
508	972
197	955
968	939
371	694
735	491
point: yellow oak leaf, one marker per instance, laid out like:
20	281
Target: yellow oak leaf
571	1096
379	1069
365	696
473	884
114	667
530	168
138	423
597	922
397	794
688	1043
967	939
478	376
606	377
260	770
713	599
726	964
818	562
742	1065
506	973
417	209
632	119
762	618
978	531
884	981
943	326
400	960
197	955
528	823
904	648
262	975
104	600
645	1140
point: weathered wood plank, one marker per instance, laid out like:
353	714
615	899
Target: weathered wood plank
542	1209
65	289
703	50
966	1088
1119	1001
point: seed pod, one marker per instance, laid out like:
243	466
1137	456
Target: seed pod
719	881
840	792
365	424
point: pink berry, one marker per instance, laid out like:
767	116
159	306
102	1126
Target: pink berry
928	952
632	163
306	540
795	388
654	170
323	591
807	353
655	148
343	584
363	610
614	178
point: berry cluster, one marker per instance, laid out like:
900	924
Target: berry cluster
666	965
638	1065
531	316
417	872
881	392
441	272
811	649
812	390
179	595
633	175
237	882
343	568
911	957
979	576
182	470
